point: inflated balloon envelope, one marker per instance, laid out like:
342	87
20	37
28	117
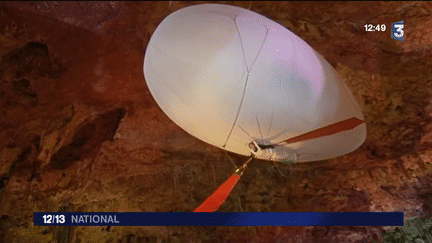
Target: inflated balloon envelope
244	83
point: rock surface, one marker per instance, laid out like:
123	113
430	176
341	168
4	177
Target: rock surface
79	130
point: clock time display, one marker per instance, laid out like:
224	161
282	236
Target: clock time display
378	27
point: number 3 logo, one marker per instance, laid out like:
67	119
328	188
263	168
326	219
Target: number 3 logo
399	28
397	31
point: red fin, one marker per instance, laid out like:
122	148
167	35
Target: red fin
212	203
327	130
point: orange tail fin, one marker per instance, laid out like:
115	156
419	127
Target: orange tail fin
212	203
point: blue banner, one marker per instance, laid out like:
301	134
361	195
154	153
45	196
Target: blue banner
219	219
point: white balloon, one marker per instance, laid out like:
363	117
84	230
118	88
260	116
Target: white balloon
244	83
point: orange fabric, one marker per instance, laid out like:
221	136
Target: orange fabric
328	130
212	203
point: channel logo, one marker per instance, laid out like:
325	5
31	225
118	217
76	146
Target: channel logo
397	31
